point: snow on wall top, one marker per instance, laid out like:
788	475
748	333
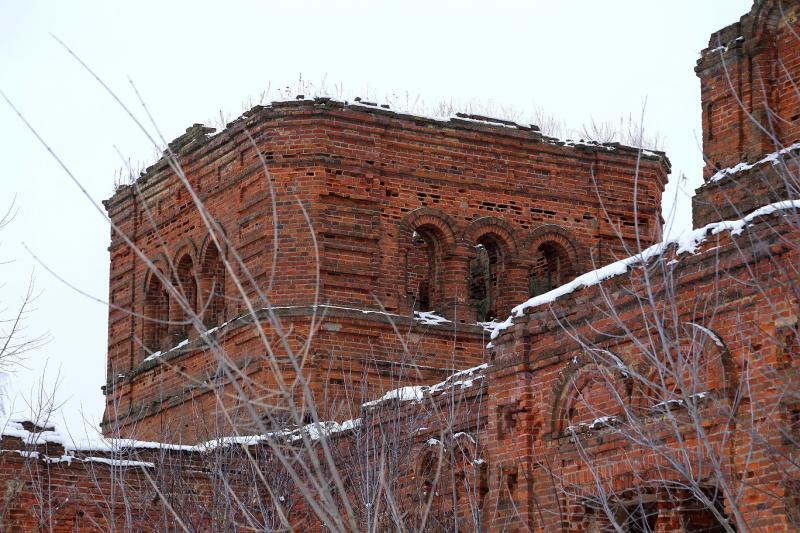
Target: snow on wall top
310	432
774	158
684	242
724	47
98	443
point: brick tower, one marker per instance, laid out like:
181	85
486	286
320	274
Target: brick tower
365	216
751	111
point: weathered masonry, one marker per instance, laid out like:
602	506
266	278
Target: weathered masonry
659	392
335	209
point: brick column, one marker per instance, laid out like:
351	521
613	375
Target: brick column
515	288
454	279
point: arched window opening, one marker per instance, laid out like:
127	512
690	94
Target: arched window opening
485	274
552	267
469	475
156	316
697	515
187	288
433	487
212	288
421	270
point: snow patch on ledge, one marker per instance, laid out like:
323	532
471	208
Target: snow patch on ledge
490	325
593	144
430	318
426	318
403	394
125	463
156	355
725	48
463	379
711	335
597	423
684	242
774	158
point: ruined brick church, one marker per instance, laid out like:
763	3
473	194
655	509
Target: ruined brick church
336	316
345	220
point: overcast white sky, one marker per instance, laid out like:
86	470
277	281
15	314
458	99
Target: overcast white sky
578	60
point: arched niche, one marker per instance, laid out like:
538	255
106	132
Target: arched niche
451	475
470	473
688	372
183	304
553	259
430	461
594	392
426	236
155	330
211	283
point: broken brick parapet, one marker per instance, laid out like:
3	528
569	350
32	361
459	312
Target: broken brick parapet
732	193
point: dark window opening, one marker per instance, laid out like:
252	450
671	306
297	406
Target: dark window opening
421	271
212	288
699	518
640	518
484	279
551	268
710	120
187	305
156	316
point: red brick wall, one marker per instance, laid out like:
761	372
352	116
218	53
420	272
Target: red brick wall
736	195
433	464
351	358
506	454
361	182
519	448
138	489
543	381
